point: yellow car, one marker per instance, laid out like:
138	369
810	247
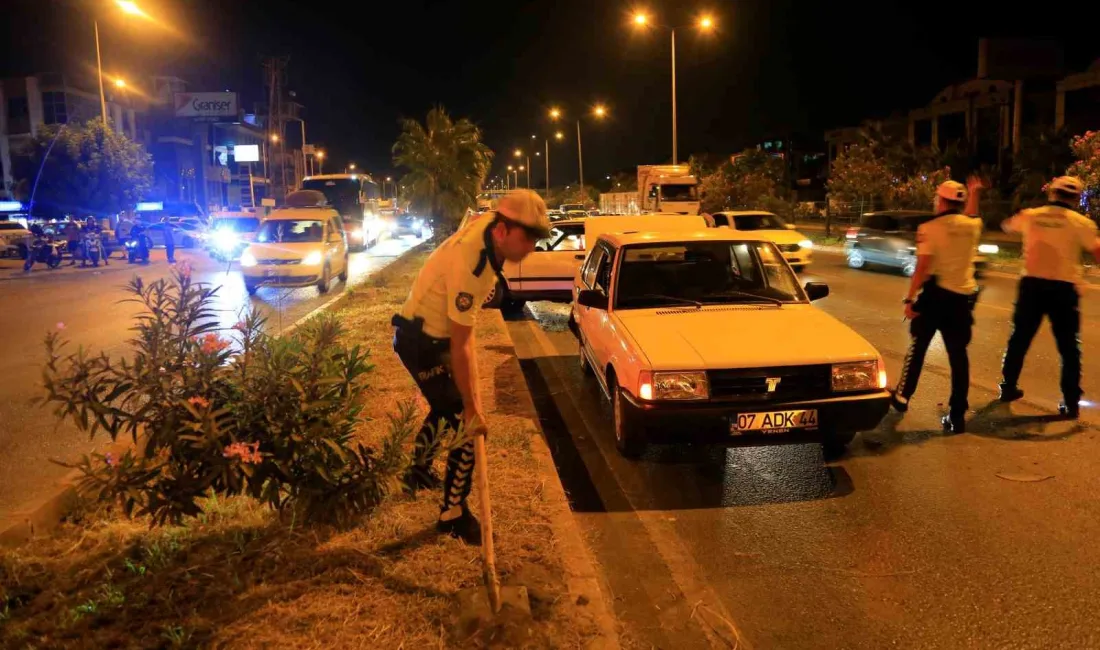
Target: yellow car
297	247
797	249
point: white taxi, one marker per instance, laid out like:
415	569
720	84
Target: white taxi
797	249
297	247
707	336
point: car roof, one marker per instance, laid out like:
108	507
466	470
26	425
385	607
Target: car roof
286	214
567	222
901	214
743	213
672	237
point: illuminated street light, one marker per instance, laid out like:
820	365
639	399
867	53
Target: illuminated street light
559	135
129	7
274	137
641	19
555	113
706	22
351	166
517	153
120	83
599	111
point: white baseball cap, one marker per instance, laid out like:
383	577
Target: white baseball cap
526	208
952	191
1068	185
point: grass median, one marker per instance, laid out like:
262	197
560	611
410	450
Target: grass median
239	576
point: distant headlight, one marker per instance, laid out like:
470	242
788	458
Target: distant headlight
357	233
417	223
226	240
674	385
805	243
248	259
313	259
989	249
861	375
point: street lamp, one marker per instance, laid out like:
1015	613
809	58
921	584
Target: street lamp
508	178
599	111
528	169
705	23
320	155
274	137
127	7
120	83
519	154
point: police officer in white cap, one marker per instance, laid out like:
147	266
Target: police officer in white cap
433	336
946	247
1054	237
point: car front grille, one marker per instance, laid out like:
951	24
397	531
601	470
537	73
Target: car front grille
287	279
750	385
273	262
789	248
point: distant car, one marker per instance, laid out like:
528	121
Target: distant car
796	248
706	336
409	224
297	247
555	215
182	237
576	214
13	239
889	239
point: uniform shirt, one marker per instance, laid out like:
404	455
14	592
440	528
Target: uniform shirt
952	241
455	280
1054	237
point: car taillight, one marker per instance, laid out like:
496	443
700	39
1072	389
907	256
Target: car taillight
852	233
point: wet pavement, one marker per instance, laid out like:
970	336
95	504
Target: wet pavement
912	539
88	303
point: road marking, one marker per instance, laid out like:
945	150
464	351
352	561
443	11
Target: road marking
683	569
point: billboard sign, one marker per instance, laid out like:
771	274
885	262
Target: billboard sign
149	206
206	105
246	153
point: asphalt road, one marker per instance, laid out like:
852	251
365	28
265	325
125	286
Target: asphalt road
87	303
913	539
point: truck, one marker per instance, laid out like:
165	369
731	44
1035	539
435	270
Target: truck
619	203
668	189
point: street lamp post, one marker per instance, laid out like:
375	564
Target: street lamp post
320	156
599	111
129	7
706	24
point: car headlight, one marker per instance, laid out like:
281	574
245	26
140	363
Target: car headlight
416	223
226	240
861	375
313	259
357	233
673	385
989	249
805	243
248	259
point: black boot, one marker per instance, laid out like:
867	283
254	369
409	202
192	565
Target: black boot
954	423
464	527
899	406
1010	393
1070	410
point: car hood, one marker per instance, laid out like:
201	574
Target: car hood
783	236
283	251
742	336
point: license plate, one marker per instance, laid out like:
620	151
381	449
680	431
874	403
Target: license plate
270	273
774	421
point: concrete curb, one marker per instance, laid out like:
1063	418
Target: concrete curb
582	576
44	514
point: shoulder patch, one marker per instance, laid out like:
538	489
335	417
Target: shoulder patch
464	301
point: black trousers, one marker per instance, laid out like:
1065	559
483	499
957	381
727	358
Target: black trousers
428	361
950	314
1058	301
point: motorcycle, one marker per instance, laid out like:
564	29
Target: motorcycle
137	246
45	250
93	249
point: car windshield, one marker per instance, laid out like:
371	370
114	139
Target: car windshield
236	225
289	231
563	238
758	222
678	192
707	272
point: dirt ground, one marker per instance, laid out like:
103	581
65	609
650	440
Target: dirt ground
239	577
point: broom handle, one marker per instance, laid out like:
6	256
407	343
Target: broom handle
492	582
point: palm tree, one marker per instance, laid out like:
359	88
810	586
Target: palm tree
447	163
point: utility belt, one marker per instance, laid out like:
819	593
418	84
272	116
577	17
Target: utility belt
407	329
932	293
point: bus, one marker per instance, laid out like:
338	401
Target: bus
355	197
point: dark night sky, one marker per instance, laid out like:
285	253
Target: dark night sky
773	68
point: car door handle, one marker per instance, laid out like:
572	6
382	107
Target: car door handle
579	257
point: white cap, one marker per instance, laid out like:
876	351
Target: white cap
1067	184
952	191
526	208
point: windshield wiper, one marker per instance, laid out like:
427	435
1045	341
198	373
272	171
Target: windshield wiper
685	301
733	293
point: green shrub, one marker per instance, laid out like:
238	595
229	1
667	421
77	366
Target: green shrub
247	413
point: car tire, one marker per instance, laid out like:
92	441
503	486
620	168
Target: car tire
326	277
495	298
856	260
835	444
629	432
251	287
344	274
512	307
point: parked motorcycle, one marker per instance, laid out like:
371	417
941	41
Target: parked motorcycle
45	250
138	245
93	249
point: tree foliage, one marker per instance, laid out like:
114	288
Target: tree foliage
1086	148
1043	155
447	164
887	175
83	169
752	180
270	417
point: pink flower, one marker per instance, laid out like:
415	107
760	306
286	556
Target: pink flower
199	402
240	326
60	325
248	453
110	459
212	344
183	267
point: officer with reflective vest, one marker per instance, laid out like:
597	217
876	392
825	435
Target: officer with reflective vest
433	336
946	247
1055	236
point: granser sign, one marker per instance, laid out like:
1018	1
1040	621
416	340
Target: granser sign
206	104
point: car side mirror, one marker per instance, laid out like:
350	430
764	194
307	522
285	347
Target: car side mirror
592	298
816	290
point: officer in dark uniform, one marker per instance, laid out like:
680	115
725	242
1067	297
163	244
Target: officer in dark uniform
1054	237
169	241
946	246
433	336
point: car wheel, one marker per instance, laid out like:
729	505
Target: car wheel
250	287
511	307
495	297
909	268
326	276
629	432
856	259
586	368
835	444
344	274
